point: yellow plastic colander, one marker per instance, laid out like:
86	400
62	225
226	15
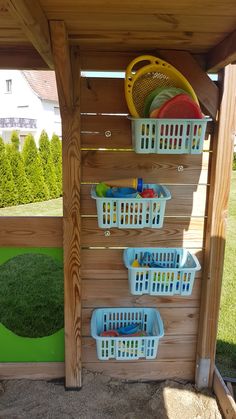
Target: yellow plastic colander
157	73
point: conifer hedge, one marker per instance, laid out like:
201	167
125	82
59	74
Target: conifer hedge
22	183
31	175
47	165
56	151
8	191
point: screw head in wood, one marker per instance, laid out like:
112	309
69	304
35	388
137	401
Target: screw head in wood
107	134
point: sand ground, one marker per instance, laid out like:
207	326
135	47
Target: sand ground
102	397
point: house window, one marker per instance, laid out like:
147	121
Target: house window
9	86
56	110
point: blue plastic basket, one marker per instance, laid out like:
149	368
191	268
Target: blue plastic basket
132	212
174	274
126	348
168	136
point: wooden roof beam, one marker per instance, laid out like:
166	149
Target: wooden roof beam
21	58
33	22
222	54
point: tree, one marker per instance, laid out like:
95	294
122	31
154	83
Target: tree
22	183
15	141
56	150
33	170
47	165
8	191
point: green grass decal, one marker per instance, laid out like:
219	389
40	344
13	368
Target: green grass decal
31	295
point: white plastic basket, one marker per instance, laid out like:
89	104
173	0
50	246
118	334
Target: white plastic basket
168	136
132	212
126	348
174	275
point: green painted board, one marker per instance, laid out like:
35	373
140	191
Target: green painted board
7	253
15	348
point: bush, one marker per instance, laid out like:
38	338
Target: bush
8	191
56	150
15	141
47	165
33	170
234	161
22	183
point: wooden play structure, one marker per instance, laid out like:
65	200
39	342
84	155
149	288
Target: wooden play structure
75	37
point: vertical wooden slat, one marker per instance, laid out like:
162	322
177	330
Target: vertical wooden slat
220	174
67	67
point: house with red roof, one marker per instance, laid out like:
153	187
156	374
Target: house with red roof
28	104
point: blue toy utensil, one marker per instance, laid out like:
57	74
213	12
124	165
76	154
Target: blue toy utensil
130	329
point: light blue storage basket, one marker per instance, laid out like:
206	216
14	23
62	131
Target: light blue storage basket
126	348
174	275
168	136
132	212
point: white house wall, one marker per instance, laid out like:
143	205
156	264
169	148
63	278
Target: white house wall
48	120
23	102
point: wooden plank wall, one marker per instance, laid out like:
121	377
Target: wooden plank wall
107	154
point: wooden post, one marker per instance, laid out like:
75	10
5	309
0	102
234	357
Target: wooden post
215	232
67	70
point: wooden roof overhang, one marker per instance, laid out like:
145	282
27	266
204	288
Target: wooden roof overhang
204	27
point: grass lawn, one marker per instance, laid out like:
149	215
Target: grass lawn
226	343
47	208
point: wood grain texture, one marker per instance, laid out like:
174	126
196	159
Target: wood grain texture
186	201
114	132
96	94
145	370
179	321
103	95
224	398
114	20
108	263
141	40
33	22
31	370
115	293
220	173
110	61
185	7
21	58
167	169
176	232
31	231
171	348
68	82
140	370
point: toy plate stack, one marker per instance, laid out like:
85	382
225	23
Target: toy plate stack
165	113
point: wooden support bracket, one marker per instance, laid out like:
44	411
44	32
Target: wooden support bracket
206	90
202	372
222	54
34	23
